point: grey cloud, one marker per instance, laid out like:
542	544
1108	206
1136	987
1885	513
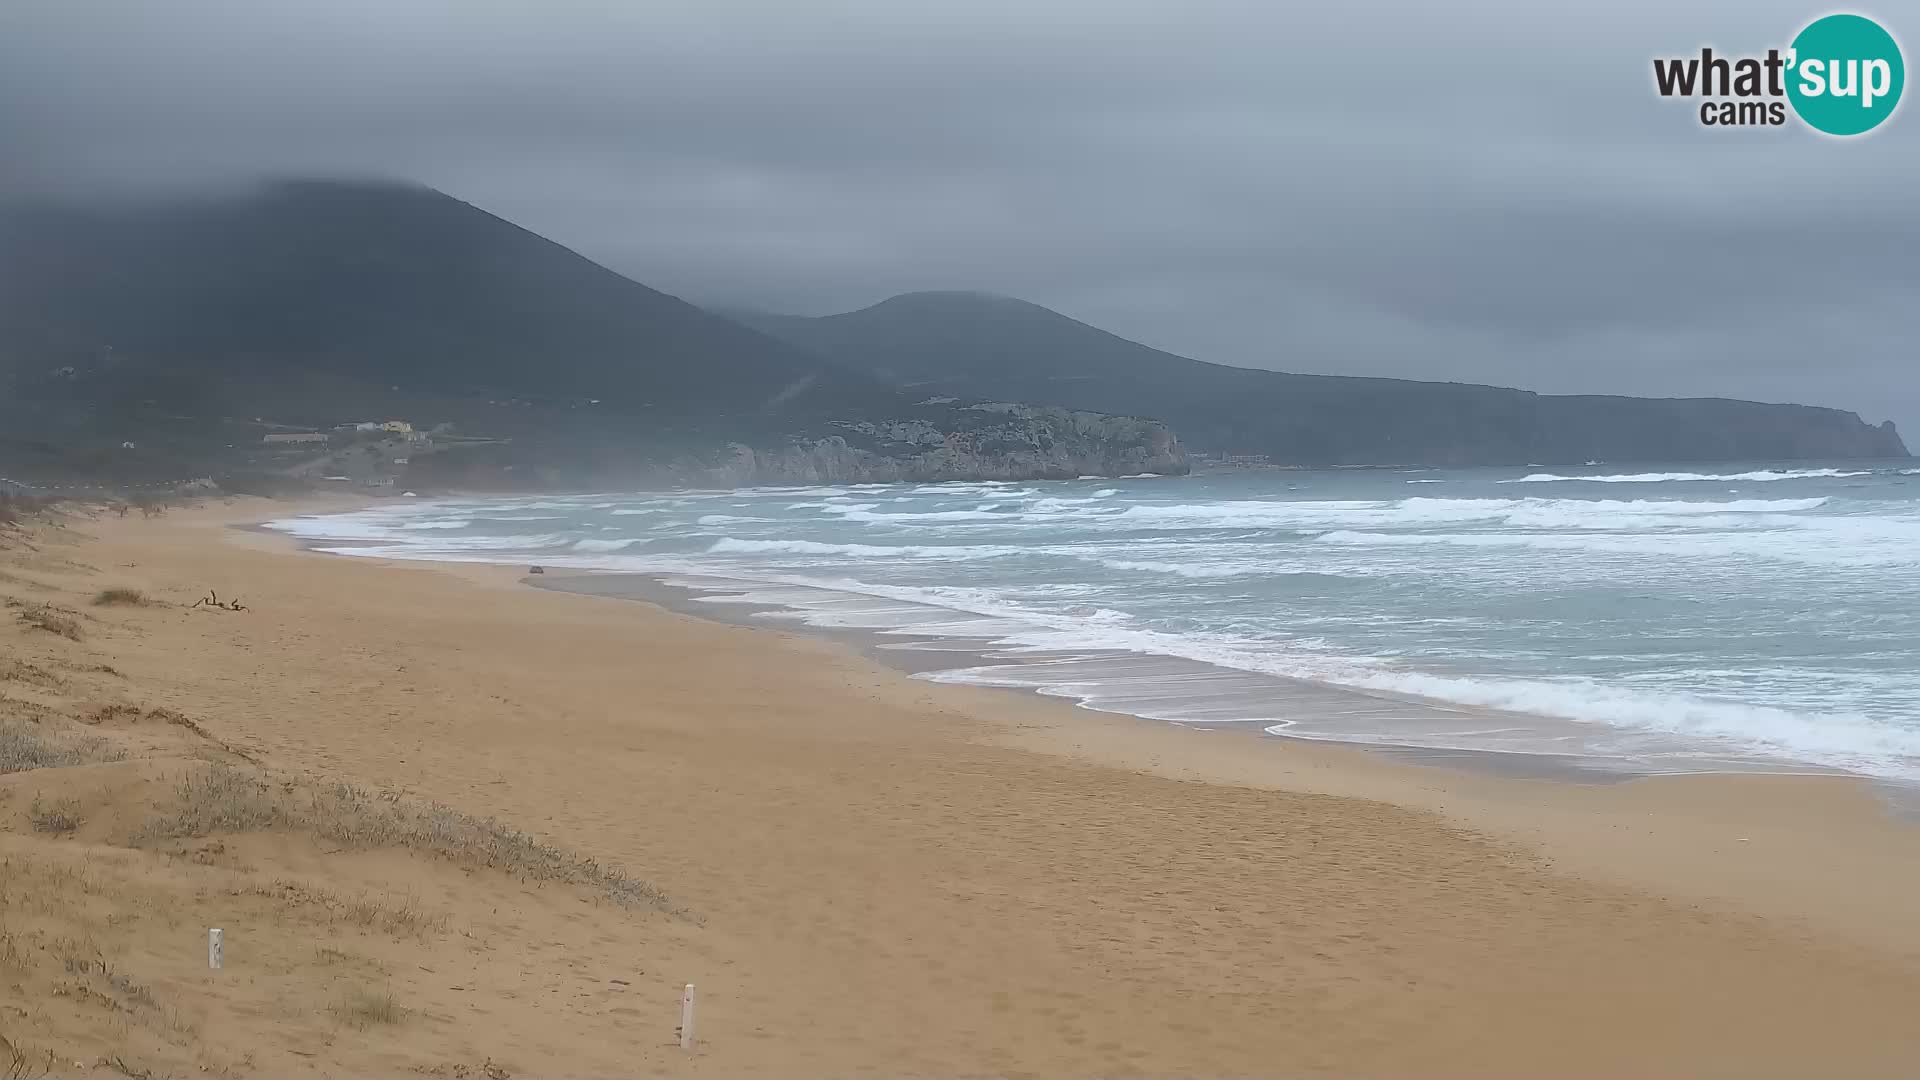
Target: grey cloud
1397	188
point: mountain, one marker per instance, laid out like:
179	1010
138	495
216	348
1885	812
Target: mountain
247	297
192	326
974	344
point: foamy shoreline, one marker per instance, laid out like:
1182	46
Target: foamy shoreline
977	662
980	882
1556	706
936	658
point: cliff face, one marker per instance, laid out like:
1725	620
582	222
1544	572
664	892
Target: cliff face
1683	429
929	442
977	442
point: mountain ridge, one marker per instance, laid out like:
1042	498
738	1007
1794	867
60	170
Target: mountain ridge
967	343
191	327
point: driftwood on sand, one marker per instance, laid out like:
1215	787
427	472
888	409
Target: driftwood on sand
212	600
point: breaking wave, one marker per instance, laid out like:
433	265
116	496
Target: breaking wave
1756	476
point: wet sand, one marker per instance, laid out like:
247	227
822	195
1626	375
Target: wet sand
898	878
919	655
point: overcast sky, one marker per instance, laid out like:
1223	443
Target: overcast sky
1488	192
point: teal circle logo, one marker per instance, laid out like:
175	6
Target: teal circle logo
1845	74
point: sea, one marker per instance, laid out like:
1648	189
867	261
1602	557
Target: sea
1751	617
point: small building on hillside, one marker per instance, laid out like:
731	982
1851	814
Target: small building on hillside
283	437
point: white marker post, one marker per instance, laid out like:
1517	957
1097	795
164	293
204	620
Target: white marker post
215	947
686	1019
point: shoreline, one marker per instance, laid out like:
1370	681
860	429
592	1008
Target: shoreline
1846	822
921	879
895	652
905	654
900	653
1460	707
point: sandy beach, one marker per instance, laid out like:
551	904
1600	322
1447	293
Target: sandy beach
863	873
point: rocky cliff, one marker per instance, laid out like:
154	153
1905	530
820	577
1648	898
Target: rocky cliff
976	442
933	442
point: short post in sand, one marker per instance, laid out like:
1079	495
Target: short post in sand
686	1019
216	947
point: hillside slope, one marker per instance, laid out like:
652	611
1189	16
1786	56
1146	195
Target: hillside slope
972	344
190	326
387	285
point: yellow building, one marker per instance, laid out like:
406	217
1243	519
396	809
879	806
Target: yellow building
398	427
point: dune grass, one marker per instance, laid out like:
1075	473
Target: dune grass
52	620
58	816
18	1062
364	1008
400	917
222	798
24	746
120	595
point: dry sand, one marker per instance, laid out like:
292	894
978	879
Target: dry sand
866	874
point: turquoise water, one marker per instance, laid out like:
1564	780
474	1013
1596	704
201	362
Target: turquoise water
1733	616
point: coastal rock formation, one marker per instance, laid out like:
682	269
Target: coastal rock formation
977	442
981	346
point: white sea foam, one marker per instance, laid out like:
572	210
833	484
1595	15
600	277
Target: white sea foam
492	546
867	514
1415	512
1218	568
728	545
1818	546
1058	571
1835	739
1186	569
350	526
1756	476
1451	509
591	544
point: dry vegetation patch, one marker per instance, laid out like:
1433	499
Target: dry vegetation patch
121	595
107	714
223	799
18	1062
364	1008
24	746
50	619
30	674
59	816
400	917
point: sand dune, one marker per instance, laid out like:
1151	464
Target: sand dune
863	873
